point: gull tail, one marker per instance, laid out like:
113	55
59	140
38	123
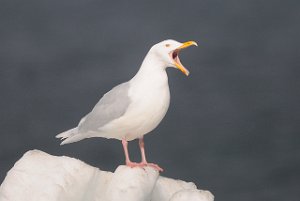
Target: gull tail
69	136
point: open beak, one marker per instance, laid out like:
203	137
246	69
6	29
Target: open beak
174	55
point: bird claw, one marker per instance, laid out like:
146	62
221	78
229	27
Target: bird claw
133	164
143	165
155	166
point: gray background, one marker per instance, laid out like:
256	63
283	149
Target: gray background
233	125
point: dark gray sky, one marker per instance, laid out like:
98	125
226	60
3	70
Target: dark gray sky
233	124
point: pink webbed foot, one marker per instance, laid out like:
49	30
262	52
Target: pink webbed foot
155	166
142	165
133	164
144	162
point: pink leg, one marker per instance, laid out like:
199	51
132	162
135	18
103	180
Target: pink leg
144	160
142	148
127	159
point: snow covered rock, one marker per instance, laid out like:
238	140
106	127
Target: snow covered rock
131	184
38	176
192	194
166	187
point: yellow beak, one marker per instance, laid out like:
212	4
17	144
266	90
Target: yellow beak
188	44
177	62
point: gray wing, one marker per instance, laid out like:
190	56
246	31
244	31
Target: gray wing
111	106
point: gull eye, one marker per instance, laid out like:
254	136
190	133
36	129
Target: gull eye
167	45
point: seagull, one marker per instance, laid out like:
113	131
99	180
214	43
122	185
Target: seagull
134	108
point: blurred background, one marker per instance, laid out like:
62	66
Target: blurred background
233	124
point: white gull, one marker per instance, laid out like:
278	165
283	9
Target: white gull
134	108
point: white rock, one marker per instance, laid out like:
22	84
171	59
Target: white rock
166	187
192	194
132	184
38	176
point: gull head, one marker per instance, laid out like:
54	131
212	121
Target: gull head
168	52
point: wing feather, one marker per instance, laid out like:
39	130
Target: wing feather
110	107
